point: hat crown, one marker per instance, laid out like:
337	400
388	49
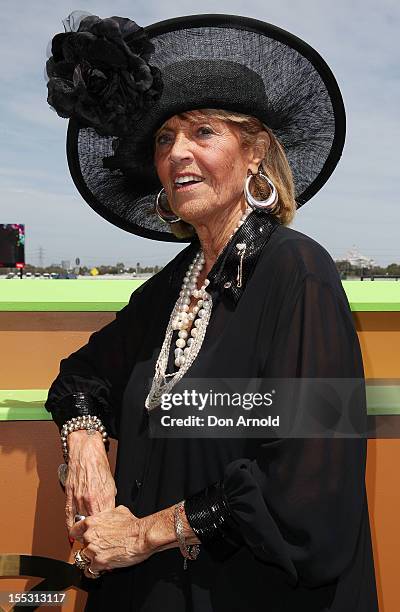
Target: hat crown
194	84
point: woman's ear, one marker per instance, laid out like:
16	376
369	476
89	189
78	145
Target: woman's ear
258	151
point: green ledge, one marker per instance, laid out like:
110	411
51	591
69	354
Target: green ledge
373	296
28	404
40	295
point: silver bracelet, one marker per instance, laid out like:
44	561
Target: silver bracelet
91	423
189	552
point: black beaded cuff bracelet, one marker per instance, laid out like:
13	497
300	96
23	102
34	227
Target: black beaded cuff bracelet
75	405
207	512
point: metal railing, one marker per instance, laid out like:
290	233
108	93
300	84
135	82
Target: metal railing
377	276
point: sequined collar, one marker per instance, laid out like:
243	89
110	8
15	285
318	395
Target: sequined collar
236	263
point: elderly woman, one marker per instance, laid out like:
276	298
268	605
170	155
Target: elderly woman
209	129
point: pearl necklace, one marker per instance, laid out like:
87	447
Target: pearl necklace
182	317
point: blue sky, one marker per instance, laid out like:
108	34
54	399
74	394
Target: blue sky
358	206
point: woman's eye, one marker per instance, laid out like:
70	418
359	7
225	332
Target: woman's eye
163	139
205	131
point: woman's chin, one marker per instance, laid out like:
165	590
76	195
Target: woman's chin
192	210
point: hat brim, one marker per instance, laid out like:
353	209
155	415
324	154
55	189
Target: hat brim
299	85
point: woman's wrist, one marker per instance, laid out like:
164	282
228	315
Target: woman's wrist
81	440
89	423
83	435
159	531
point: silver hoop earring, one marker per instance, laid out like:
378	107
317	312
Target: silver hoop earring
260	204
164	214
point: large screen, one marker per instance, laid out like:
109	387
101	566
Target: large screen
12	245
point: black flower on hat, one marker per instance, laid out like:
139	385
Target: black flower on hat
99	74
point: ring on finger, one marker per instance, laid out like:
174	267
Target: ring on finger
94	574
81	561
85	556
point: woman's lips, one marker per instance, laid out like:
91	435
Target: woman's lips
187	186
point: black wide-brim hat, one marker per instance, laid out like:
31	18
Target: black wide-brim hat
224	62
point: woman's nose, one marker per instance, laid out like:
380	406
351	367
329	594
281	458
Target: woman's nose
180	149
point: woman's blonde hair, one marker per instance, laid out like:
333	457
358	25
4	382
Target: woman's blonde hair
274	164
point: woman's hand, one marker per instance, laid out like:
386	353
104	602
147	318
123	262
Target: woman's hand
117	538
90	486
113	538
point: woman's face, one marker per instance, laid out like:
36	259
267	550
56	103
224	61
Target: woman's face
207	153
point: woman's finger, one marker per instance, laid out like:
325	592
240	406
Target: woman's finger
69	510
83	507
92	495
82	496
91	502
78	530
87	557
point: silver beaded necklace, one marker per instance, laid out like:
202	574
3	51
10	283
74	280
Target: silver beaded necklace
187	348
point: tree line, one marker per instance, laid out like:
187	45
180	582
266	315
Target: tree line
344	267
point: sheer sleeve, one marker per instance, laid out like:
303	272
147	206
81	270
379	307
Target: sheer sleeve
92	379
298	505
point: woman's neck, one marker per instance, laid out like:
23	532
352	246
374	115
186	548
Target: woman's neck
214	235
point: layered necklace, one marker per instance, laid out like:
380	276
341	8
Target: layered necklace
188	343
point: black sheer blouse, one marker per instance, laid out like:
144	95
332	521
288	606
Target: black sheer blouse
283	522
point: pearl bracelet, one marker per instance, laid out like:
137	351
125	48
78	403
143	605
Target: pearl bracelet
91	423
